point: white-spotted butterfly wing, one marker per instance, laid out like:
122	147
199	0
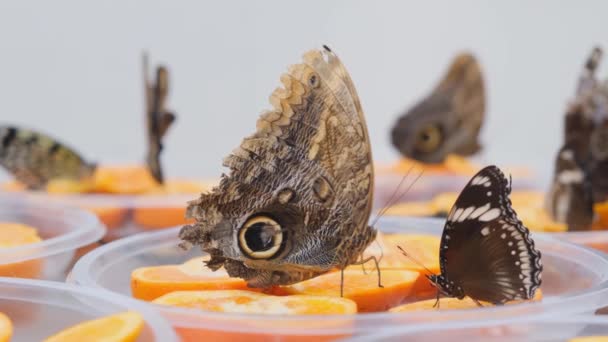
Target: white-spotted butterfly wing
486	252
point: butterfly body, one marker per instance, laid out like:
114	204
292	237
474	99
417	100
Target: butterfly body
297	200
485	251
158	118
34	159
581	166
448	120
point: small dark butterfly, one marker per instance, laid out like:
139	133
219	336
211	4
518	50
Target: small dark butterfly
158	118
448	120
486	253
581	167
34	158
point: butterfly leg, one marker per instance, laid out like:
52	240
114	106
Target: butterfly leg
436	305
363	266
478	303
376	263
341	283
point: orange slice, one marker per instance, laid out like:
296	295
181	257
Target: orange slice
362	288
124	180
589	339
69	186
123	327
112	217
424	249
183	186
601	209
453	164
451	304
247	302
148	283
15	235
160	217
6	328
411	209
241	301
13	186
443	202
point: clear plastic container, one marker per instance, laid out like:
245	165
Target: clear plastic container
64	231
575	281
553	329
431	184
39	309
125	215
593	239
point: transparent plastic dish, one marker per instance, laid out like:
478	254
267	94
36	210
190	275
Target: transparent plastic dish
40	309
575	281
64	230
552	329
594	239
429	185
124	215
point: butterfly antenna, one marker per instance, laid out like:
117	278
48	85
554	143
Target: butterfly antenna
391	202
416	261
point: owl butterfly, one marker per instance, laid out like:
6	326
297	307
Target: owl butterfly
298	197
448	120
581	167
486	253
158	118
34	158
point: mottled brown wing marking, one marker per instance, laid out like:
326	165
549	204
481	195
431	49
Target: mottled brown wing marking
307	167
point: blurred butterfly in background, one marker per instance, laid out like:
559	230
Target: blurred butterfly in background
486	253
581	166
158	118
34	159
448	120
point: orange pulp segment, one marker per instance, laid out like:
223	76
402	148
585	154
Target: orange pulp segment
241	301
15	235
451	304
124	180
148	283
361	287
123	327
6	328
161	217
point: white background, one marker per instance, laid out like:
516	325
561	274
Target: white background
72	68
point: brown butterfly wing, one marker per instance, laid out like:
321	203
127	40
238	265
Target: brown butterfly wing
308	167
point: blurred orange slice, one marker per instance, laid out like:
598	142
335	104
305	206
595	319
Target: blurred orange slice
15	235
123	327
451	304
6	328
240	301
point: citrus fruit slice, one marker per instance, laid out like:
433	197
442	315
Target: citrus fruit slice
148	283
361	287
15	235
6	328
124	180
451	304
123	327
241	301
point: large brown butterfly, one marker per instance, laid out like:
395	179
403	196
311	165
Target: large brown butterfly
298	197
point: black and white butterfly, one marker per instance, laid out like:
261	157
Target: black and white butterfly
486	253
